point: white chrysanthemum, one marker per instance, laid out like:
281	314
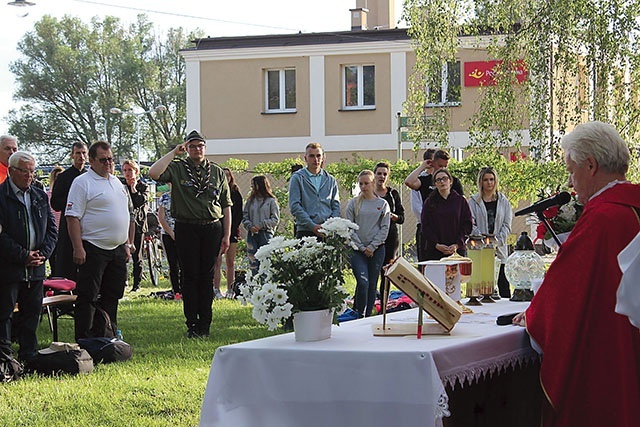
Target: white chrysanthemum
272	322
283	311
260	314
341	226
279	296
269	289
258	297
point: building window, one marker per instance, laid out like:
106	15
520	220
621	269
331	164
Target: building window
448	92
281	90
359	82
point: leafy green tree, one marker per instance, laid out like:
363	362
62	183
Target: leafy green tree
70	74
582	58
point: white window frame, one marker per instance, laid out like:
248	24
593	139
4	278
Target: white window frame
282	108
360	86
444	88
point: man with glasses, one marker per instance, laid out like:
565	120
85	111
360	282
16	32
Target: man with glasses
101	227
65	266
28	236
8	146
200	200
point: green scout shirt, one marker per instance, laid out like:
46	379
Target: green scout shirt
185	205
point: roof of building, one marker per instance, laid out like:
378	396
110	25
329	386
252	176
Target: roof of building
301	39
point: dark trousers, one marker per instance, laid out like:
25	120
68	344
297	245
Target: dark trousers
503	284
137	259
101	282
391	246
28	295
198	249
65	267
420	249
53	263
175	269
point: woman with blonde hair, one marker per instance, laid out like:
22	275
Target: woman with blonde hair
260	216
373	216
492	215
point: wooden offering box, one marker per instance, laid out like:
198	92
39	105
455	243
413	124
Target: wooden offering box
429	298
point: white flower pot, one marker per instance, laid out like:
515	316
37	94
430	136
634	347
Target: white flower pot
312	325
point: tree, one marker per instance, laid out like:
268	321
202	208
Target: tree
582	57
71	74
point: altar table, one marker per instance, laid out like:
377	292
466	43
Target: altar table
357	379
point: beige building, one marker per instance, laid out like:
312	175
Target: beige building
263	98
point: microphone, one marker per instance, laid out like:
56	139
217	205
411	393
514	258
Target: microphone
557	200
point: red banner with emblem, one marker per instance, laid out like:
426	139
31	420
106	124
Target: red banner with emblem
481	73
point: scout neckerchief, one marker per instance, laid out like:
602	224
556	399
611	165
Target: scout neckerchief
199	178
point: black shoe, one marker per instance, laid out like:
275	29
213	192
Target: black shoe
193	334
135	288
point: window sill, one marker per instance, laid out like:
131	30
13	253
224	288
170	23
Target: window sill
444	105
272	112
345	109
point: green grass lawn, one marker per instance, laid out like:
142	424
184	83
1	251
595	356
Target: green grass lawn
163	384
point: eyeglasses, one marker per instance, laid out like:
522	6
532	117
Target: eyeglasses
442	179
105	160
25	171
196	147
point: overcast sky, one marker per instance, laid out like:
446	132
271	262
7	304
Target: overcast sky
216	17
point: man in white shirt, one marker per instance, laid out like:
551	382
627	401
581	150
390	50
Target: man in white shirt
101	228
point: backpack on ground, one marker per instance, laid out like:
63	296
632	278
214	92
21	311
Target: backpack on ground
61	358
102	325
106	350
10	368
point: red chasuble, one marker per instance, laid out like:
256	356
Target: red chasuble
590	369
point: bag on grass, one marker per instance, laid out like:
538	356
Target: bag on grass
10	368
61	357
106	350
102	326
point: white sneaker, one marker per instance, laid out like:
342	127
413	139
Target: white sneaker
229	294
217	294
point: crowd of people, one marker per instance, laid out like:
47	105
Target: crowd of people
102	219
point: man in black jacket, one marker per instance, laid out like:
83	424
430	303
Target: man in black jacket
28	236
65	266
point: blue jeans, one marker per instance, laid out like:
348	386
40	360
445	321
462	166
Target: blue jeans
366	271
255	242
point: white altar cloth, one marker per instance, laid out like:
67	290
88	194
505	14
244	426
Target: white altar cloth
355	378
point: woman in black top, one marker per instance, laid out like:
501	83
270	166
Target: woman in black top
230	256
382	173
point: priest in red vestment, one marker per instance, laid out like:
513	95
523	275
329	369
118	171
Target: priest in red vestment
590	370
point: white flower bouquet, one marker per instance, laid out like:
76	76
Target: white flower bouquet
300	274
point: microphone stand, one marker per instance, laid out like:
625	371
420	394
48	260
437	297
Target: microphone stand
545	221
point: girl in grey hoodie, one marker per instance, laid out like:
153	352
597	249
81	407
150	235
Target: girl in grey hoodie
260	216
